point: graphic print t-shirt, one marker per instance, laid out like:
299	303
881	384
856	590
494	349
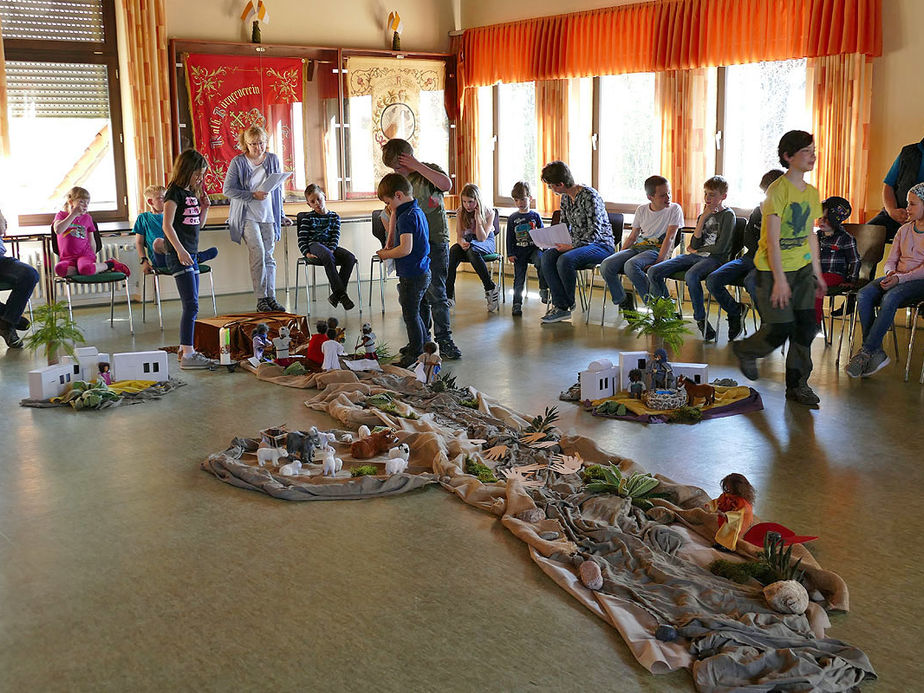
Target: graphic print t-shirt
797	210
186	219
77	238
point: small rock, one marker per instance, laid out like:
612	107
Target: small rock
532	515
666	633
549	536
591	575
787	597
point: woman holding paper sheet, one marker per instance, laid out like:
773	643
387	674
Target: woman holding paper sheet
256	215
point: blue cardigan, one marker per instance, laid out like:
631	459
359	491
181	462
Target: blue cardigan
237	190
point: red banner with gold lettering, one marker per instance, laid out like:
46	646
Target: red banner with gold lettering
229	93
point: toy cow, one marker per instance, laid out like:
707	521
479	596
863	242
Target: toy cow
265	455
707	392
332	464
302	444
373	444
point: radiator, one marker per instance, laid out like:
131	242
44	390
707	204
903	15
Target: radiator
84	293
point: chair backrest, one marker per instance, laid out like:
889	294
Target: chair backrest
496	223
378	227
738	236
617	223
870	246
556	217
97	239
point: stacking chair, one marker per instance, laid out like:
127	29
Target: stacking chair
381	233
871	247
163	271
314	263
918	309
737	247
111	278
617	221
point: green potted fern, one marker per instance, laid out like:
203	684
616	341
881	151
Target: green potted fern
54	330
660	323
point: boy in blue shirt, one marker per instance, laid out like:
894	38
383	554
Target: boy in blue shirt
521	250
149	233
408	226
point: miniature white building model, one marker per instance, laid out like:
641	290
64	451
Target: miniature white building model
140	365
86	360
697	373
627	361
51	381
599	380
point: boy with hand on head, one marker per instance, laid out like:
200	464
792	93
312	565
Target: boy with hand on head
409	246
651	241
789	273
521	250
428	184
709	249
742	268
319	239
149	233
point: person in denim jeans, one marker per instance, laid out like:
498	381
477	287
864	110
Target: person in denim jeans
902	284
407	227
23	279
741	269
582	209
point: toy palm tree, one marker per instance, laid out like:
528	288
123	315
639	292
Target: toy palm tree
53	329
661	323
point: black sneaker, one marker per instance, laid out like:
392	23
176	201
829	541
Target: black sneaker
802	394
406	361
705	329
346	302
8	332
275	305
22	324
263	306
450	351
736	322
517	309
747	364
628	303
333	299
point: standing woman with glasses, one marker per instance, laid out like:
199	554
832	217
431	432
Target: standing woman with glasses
256	216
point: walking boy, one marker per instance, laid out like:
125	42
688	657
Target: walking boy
429	182
709	249
654	227
788	271
409	246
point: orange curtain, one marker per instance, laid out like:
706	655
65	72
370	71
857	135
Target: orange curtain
468	135
4	118
552	126
682	96
668	35
842	92
148	71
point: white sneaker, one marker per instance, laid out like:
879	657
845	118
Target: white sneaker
197	361
492	298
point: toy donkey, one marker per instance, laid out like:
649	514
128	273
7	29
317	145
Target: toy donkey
302	444
706	391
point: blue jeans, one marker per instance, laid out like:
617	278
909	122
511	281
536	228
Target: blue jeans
697	269
435	304
159	260
187	285
633	262
889	301
411	292
23	277
560	270
734	271
329	259
520	264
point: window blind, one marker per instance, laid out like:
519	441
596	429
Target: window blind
57	90
50	20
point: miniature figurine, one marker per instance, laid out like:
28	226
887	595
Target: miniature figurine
397	459
707	392
281	343
660	374
428	363
373	444
291	469
261	341
265	455
636	386
332	350
735	510
104	373
332	464
366	342
334	324
302	444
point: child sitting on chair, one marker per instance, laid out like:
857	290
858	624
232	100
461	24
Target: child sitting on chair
319	240
475	240
149	233
837	249
76	239
902	284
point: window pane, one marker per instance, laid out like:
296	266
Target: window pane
433	144
60	134
763	101
580	128
361	146
630	136
70	20
485	143
516	136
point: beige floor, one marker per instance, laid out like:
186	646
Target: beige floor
125	567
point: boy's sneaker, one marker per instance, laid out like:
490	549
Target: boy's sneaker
736	322
705	329
116	266
275	305
858	363
263	306
448	350
197	361
8	332
628	303
492	298
451	302
334	299
517	309
747	364
545	296
346	302
802	394
876	363
557	315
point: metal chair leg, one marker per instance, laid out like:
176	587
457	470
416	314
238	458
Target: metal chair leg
160	314
144	297
296	289
840	339
590	296
70	308
212	287
307	294
381	287
359	291
128	302
112	304
914	327
314	281
371	273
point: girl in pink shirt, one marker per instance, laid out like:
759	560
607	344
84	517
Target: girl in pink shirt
76	241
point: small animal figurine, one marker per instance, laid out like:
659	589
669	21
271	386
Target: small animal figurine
302	444
395	465
363	432
636	386
326	438
261	341
366	342
104	373
281	343
659	371
332	464
373	444
428	363
291	469
402	451
265	455
706	391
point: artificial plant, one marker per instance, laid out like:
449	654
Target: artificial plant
54	330
638	488
545	422
660	321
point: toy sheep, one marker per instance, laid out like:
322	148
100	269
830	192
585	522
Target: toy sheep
403	451
332	464
363	432
265	455
397	459
291	469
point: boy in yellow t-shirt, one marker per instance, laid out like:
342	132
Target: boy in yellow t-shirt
788	271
